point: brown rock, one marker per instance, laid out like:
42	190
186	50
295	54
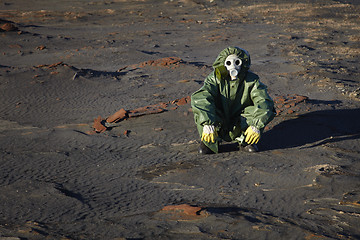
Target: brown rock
167	61
163	105
288	102
300	98
55	64
147	110
118	116
183	81
182	101
8	27
98	126
15	46
49	65
290	111
183	208
90	132
184	212
42	47
279	99
161	62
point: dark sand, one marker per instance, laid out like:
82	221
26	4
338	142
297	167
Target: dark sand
64	63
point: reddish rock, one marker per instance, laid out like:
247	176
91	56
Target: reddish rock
300	98
163	105
15	46
280	99
55	64
288	103
184	212
161	62
42	47
167	61
98	126
152	109
50	65
118	116
182	101
290	111
8	27
90	132
183	208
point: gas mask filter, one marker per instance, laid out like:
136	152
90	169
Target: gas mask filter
233	65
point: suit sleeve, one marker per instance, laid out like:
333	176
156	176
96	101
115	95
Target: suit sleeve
263	106
203	102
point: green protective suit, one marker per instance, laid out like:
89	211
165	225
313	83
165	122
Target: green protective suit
232	105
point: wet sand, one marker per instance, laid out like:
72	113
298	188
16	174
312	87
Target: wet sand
65	64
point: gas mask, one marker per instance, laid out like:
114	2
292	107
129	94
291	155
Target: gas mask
233	65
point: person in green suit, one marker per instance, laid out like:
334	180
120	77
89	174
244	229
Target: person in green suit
232	105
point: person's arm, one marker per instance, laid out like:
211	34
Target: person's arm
262	112
203	102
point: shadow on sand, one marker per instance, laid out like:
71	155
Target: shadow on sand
314	128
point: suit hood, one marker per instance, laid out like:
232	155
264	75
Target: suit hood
219	67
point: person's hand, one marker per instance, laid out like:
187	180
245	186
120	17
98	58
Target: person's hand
209	134
252	135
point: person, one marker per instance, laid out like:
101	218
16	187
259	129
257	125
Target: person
232	105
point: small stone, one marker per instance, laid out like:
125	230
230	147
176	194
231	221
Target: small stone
55	65
183	81
181	101
42	47
163	105
290	111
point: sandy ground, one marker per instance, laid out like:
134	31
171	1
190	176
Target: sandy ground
64	63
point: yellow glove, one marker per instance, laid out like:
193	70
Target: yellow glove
252	135
209	134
